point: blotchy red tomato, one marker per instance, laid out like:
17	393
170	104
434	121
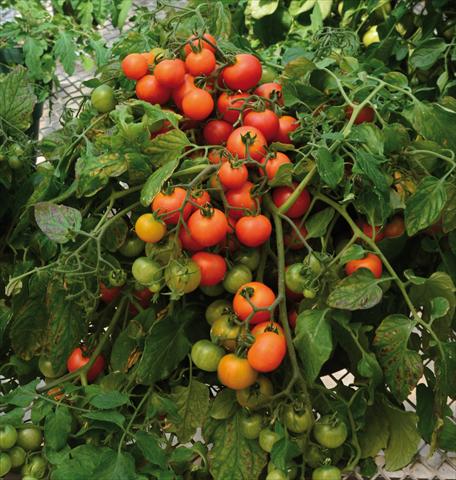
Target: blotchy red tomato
170	73
367	114
77	360
150	90
208	226
227	105
232	175
369	231
134	66
370	261
287	124
206	42
267	352
291	239
108	295
247	142
292	317
244	74
272	164
200	63
187	86
281	194
216	132
395	228
253	231
267	122
212	266
259	295
270	90
241	201
197	104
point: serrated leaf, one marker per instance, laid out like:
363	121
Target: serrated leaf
318	224
300	6
223	405
354	252
402	367
330	167
34	49
373	437
114	236
369	135
57	428
116	466
369	166
22	396
427	52
152	448
65	49
156	181
262	8
58	222
167	147
109	400
109	416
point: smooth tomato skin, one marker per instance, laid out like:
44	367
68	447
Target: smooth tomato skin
270	90
292	317
326	472
244	74
29	438
295	278
226	103
182	276
108	295
260	295
370	261
206	42
329	432
132	247
143	297
235	372
188	242
35	467
272	164
186	87
5	464
256	150
200	63
376	234
170	73
297	421
267	439
197	104
267	122
251	426
8	436
46	368
281	194
212	266
233	176
237	276
216	156
292	239
262	327
395	228
206	355
241	201
208	229
77	360
149	229
367	114
150	90
257	395
267	352
134	66
17	456
250	257
164	203
225	332
103	99
287	124
253	231
146	271
216	132
200	197
216	309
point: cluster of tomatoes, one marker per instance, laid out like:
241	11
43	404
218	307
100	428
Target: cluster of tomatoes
19	451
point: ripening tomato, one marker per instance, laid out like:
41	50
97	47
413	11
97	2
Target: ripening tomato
206	355
257	395
169	203
253	231
370	261
212	266
217	156
291	239
267	122
152	55
259	296
271	164
271	91
170	73
233	175
376	234
292	317
197	104
229	106
287	124
186	87
267	327
225	331
149	90
200	197
208	226
149	229
394	228
242	201
367	114
143	297
77	359
134	66
267	352
235	372
200	63
244	74
188	242
281	194
108	295
216	132
207	41
216	309
182	276
247	142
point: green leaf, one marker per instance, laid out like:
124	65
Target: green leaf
368	165
114	236
156	181
262	8
232	456
109	400
5	318
425	411
402	367
122	351
330	167
283	452
447	435
224	404
14	417
283	177
427	53
116	466
373	437
369	135
57	428
124	8
65	49
153	448
298	68
34	49
58	222
318	224
354	252
445	368
22	396
395	137
358	291
300	6
167	147
108	416
449	211
192	405
424	207
313	341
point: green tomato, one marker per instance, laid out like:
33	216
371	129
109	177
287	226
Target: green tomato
291	472
8	437
182	276
117	277
250	257
236	277
330	432
371	36
163	250
313	455
29	438
313	263
216	309
28	477
309	293
103	99
206	355
276	475
297	421
295	278
14	162
267	439
257	395
326	472
46	368
268	74
5	464
146	271
132	247
17	456
251	426
35	467
212	290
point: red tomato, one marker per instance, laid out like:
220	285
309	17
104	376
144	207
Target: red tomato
149	90
216	132
270	90
369	231
244	74
134	66
212	266
395	228
200	63
167	203
188	242
370	261
108	295
216	156
272	164
208	226
170	73
241	201
186	87
206	42
247	142
292	239
233	176
267	352
281	194
287	125
267	122
267	327
200	197
259	295
367	114
227	105
253	231
292	317
143	296
197	104
77	360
